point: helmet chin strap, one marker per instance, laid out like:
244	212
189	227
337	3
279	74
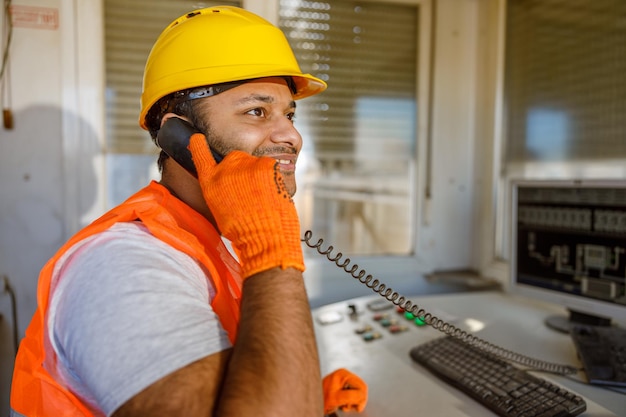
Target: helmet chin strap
215	89
212	90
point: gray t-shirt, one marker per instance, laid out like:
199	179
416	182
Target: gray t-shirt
127	309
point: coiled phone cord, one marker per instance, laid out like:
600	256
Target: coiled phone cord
431	320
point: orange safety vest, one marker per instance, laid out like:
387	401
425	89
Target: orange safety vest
34	391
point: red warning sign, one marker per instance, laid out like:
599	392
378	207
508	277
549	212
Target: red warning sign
35	17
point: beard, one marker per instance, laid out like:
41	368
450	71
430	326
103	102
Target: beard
221	145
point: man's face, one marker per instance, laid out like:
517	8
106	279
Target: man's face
255	117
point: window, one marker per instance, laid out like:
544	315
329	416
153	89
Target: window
564	94
564	80
356	172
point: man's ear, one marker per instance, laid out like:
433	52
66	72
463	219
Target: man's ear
170	115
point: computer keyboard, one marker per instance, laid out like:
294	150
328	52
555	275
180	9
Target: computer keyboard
602	351
498	385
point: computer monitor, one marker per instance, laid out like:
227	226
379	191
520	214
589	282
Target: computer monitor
568	246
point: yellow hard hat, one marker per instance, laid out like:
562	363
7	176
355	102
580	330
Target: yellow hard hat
216	45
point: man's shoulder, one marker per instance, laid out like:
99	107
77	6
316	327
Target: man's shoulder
132	235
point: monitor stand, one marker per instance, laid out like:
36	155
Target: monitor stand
563	324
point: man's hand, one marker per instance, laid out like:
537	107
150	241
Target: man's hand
248	198
345	391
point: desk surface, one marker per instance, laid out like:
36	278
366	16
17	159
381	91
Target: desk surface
398	386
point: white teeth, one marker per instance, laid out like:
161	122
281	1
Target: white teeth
283	161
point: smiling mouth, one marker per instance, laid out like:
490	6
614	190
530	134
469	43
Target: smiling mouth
286	166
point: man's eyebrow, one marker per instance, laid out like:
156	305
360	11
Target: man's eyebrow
262	98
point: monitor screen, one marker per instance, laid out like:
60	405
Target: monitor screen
568	246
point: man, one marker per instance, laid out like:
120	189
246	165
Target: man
145	312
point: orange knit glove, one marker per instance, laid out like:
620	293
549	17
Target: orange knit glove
248	199
344	390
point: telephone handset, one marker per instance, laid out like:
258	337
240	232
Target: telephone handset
173	139
449	329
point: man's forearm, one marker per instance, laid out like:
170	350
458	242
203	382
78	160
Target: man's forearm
274	368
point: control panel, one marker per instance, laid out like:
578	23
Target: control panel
373	320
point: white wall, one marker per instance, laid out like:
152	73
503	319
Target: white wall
448	214
31	174
52	169
49	161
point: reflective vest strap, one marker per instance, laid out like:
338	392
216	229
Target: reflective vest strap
33	391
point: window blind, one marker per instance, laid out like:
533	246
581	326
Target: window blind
360	134
131	28
565	89
367	53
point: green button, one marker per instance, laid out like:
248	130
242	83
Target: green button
409	315
419	321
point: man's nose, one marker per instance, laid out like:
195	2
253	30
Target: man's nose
285	132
